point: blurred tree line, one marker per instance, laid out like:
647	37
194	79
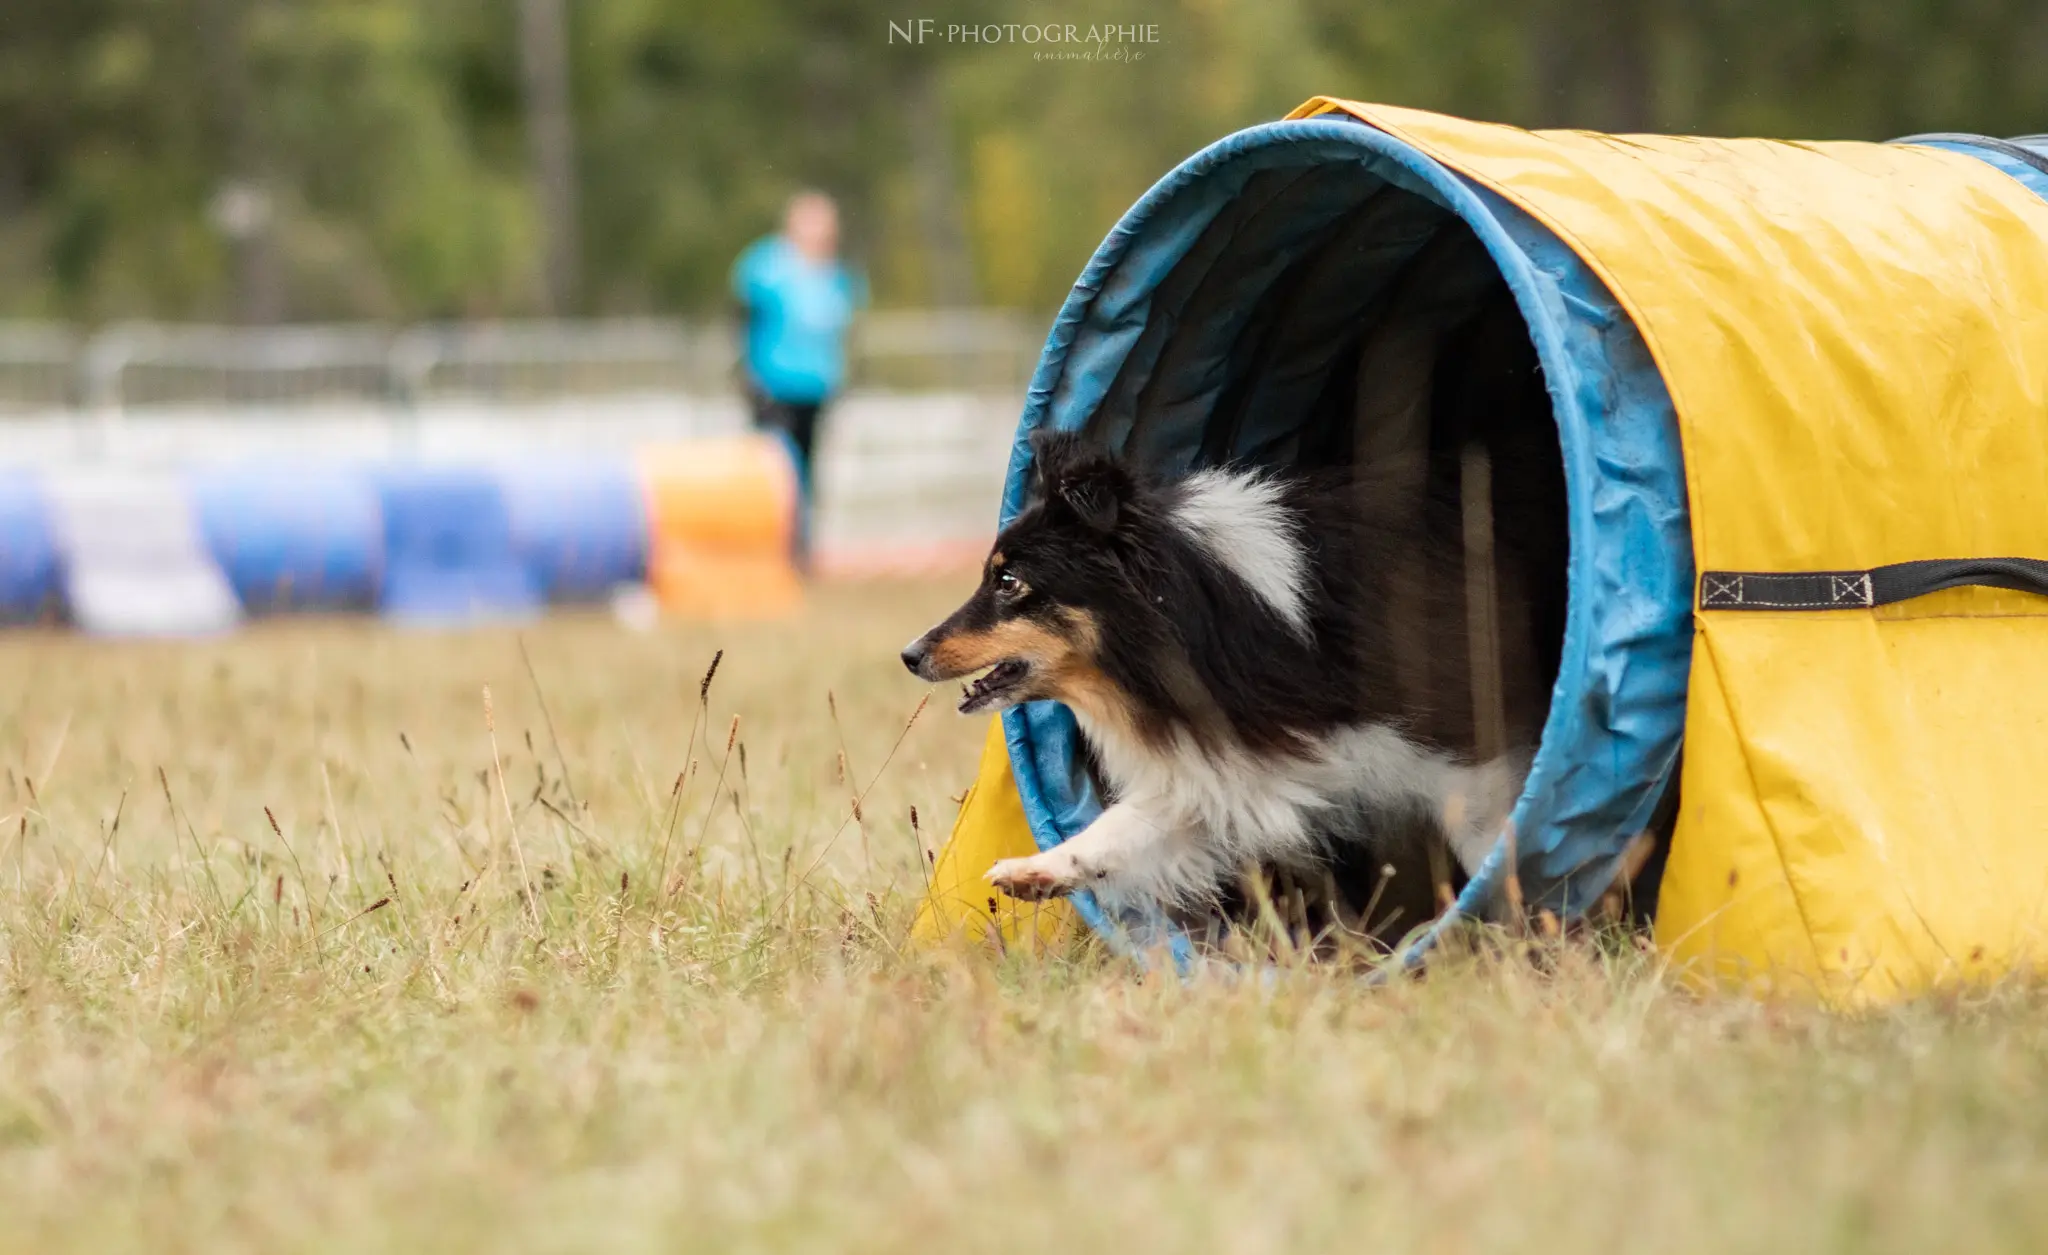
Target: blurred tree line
327	159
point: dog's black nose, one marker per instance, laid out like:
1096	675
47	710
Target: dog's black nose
913	655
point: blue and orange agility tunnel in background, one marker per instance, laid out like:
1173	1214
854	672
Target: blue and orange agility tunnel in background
166	551
1800	393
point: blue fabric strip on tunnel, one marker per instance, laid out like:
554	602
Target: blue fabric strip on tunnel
1617	712
2030	178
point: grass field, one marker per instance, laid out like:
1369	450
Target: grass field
356	1031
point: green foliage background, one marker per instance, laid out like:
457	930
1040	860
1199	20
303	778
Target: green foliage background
389	134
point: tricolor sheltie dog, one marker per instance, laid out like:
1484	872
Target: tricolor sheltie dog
1225	643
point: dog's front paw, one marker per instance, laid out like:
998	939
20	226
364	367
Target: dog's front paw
1036	878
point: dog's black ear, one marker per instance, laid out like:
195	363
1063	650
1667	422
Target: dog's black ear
1092	503
1082	476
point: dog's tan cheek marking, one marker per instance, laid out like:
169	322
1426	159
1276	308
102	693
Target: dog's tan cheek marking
1108	702
971	651
1083	686
1077	678
1085	632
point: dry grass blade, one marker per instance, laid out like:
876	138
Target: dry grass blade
107	846
732	734
710	673
675	810
1518	916
540	698
378	905
854	810
511	820
171	806
846	776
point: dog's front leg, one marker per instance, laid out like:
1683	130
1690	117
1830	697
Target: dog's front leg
1120	837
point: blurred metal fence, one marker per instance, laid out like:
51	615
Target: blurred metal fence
152	365
948	350
514	361
39	367
149	365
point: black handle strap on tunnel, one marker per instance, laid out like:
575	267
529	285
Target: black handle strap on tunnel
1859	590
2003	147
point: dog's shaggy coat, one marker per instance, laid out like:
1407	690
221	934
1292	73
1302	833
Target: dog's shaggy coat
1226	645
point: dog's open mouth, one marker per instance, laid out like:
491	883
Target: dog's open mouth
994	685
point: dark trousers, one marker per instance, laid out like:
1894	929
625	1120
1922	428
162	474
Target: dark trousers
798	420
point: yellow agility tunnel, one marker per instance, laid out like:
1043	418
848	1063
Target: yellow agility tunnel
1799	395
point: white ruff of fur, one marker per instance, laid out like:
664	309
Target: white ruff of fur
1188	820
1243	523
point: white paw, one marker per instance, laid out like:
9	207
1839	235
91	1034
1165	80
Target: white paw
1039	877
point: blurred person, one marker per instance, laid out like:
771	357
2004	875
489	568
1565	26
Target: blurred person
797	300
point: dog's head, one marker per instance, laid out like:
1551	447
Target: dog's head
1034	626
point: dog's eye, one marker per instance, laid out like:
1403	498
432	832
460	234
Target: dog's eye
1008	585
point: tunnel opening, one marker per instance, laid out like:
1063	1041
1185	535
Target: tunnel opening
1328	320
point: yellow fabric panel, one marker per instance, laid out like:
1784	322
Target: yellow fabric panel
1726	911
1855	337
991	826
1909	825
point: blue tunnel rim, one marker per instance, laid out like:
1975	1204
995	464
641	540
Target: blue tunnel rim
1406	167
